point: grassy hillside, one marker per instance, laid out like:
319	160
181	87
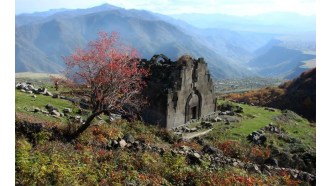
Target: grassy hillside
298	95
154	156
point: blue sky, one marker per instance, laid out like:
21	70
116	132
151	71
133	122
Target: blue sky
231	7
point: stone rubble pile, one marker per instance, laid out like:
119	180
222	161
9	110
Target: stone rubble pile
29	88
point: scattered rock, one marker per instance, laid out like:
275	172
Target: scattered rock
44	112
207	124
50	107
122	143
271	161
216	119
55	96
194	158
200	141
185	148
211	150
272	128
48	93
186	129
257	138
113	117
253	168
115	144
129	138
194	129
55	113
78	119
36	110
67	110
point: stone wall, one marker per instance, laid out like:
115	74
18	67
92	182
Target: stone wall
178	92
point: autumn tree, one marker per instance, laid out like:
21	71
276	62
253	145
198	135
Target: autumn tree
107	73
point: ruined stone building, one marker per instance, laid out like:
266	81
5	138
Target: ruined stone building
178	91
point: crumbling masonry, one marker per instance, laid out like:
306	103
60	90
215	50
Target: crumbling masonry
177	92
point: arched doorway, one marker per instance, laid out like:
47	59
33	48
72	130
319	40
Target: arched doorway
193	106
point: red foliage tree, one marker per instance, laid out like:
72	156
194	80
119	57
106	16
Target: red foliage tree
108	73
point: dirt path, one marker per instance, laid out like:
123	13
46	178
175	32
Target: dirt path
195	134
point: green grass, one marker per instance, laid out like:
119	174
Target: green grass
300	129
25	103
255	118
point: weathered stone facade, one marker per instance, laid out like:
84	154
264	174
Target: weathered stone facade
178	92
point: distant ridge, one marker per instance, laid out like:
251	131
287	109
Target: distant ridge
42	38
41	43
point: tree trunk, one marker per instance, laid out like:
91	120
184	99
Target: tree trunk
87	123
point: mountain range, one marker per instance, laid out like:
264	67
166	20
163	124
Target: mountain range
42	39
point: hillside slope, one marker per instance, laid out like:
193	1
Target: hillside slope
298	95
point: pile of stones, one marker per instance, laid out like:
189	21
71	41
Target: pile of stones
30	89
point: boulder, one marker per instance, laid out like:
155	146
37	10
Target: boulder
217	119
186	129
257	138
78	119
238	109
284	159
55	113
207	124
161	151
43	90
253	168
49	107
122	143
211	150
55	96
194	158
35	91
185	148
129	138
271	161
194	129
200	141
18	85
44	112
36	110
67	110
48	93
30	87
113	117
